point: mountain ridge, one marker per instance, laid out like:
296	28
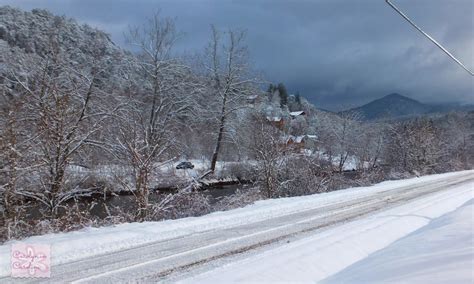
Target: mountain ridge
397	106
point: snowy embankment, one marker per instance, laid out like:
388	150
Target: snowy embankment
315	258
441	252
340	241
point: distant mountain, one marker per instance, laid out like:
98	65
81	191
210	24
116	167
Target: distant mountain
396	106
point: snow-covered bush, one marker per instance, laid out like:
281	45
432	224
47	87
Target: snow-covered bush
241	198
179	205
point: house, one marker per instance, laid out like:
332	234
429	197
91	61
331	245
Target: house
276	121
300	142
295	142
252	99
295	114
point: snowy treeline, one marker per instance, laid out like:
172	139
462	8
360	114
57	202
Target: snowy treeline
70	99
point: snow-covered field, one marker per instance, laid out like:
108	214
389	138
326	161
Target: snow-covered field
309	259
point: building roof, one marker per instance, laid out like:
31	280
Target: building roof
297	113
295	139
274	118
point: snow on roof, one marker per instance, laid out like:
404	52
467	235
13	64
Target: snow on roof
288	138
297	113
299	139
295	139
273	118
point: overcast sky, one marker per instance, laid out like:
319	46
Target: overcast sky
336	53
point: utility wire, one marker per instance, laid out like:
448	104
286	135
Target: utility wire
429	37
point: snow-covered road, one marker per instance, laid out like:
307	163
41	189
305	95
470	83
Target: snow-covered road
356	221
440	252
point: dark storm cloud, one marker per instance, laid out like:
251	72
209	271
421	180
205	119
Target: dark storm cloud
336	53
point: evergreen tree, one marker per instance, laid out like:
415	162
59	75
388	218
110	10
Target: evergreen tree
283	94
271	91
298	100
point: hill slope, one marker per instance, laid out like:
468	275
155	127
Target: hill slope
395	106
32	35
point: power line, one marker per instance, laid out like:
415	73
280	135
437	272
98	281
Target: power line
429	37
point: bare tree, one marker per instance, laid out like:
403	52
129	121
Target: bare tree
337	135
369	145
229	79
415	146
9	154
159	96
269	149
302	175
458	134
62	114
15	159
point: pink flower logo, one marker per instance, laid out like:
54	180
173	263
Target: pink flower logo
30	260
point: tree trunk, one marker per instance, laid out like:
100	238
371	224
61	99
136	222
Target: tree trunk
55	189
218	145
142	195
220	135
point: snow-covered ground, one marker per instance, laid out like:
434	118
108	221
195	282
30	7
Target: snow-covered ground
165	174
351	163
440	252
313	258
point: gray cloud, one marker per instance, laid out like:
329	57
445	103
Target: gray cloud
337	53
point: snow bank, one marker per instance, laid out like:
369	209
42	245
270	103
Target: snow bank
441	252
94	241
314	258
